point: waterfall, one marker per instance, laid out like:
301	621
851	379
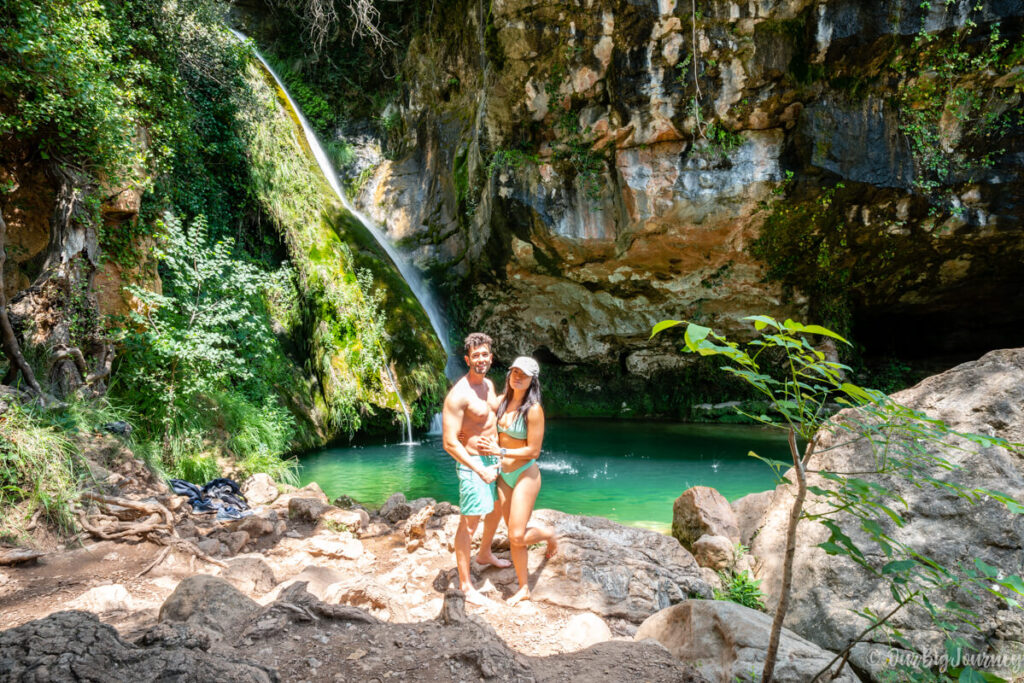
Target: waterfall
435	426
405	267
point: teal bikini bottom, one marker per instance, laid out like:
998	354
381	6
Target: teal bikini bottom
512	477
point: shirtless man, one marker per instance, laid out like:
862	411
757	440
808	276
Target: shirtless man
469	413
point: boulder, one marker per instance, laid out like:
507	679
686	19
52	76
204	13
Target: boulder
416	528
584	630
76	646
208	603
727	642
714	552
110	598
311	490
337	548
250	574
212	547
702	510
306	509
420	503
395	508
444	508
749	511
614	570
235	541
712	578
336	519
260	489
346	502
260	524
320	581
984	396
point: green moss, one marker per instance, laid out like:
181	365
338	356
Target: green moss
361	315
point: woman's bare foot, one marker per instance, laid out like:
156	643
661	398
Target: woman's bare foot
522	594
552	548
491	559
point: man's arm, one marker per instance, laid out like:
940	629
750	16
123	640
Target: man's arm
451	423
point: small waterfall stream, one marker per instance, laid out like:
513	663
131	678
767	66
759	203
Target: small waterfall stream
402	262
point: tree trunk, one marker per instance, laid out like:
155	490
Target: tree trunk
787	564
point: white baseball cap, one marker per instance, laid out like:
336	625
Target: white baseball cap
527	365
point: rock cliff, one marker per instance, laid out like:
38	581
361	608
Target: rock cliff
573	173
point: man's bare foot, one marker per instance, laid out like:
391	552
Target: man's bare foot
484	559
552	548
475	597
522	594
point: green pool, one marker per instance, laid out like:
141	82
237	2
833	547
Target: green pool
626	471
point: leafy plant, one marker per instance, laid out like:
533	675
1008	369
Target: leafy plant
905	444
741	588
202	352
940	94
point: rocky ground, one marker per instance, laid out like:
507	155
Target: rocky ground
306	590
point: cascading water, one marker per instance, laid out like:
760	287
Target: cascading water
405	268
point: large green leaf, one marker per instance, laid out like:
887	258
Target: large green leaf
664	325
696	334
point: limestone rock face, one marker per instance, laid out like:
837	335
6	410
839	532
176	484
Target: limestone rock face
726	642
614	570
701	510
984	396
566	182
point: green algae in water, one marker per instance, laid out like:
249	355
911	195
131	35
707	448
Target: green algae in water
630	472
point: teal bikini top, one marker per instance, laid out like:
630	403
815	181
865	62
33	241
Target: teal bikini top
518	428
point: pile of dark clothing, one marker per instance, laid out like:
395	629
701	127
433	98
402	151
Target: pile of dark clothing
222	496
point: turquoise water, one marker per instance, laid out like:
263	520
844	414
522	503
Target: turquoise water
630	472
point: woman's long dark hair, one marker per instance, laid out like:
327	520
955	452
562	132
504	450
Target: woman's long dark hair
532	395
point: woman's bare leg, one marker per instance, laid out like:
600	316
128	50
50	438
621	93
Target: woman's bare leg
523	497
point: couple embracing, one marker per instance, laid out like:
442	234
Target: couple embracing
496	440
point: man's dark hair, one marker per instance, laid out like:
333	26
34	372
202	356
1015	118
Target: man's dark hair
476	339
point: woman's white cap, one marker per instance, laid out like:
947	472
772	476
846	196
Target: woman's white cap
527	365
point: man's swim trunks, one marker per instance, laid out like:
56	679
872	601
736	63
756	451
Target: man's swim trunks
475	496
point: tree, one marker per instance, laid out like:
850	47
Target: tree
905	443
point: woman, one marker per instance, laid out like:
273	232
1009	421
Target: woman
520	434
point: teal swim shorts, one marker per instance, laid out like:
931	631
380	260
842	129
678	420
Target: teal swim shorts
475	496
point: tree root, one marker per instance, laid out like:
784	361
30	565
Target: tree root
157	526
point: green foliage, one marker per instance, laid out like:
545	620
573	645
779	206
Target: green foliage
804	245
38	465
943	89
203	354
906	445
72	81
741	588
511	159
